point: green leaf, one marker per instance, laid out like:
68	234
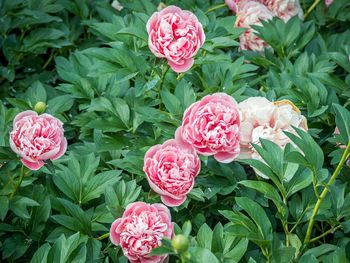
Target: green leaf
71	249
205	236
199	255
35	93
312	151
59	104
187	228
170	101
185	93
238	251
96	186
4	207
18	205
257	214
268	190
299	181
162	250
342	118
41	254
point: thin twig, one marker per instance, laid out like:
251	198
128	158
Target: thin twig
324	193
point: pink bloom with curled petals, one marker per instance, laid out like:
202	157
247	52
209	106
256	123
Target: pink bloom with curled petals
250	13
171	168
36	138
212	127
176	35
284	9
142	228
261	118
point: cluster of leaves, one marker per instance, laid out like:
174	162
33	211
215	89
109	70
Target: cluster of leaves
92	66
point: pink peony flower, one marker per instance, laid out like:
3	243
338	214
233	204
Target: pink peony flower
36	138
261	118
212	127
233	4
142	228
328	2
171	169
284	9
176	35
250	13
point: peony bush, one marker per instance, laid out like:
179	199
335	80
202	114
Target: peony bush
175	131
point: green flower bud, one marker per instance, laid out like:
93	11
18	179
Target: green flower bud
40	107
180	243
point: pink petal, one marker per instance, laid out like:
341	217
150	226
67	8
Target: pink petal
187	64
33	166
171	201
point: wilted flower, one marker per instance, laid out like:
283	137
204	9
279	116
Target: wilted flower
36	138
261	118
176	35
250	13
212	127
142	228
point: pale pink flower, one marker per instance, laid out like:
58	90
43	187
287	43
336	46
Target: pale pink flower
171	168
250	13
142	228
176	35
328	2
284	9
261	118
233	4
212	127
36	138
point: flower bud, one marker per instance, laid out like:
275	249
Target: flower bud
40	107
180	243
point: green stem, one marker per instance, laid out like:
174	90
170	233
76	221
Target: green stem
215	7
325	233
164	71
286	231
312	7
48	61
299	219
19	182
324	193
266	254
103	236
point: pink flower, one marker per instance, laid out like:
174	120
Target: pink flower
328	2
233	5
176	35
284	9
171	168
250	13
36	138
142	228
268	120
212	127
